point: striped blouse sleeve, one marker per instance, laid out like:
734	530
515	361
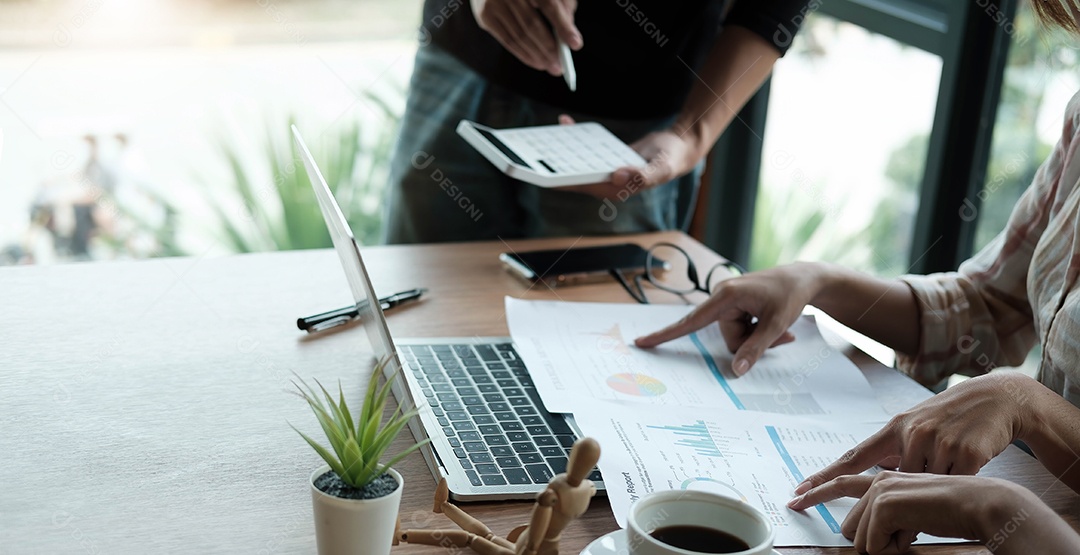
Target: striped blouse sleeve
980	317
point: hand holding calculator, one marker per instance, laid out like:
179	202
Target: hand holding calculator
552	155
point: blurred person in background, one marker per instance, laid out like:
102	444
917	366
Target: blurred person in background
104	209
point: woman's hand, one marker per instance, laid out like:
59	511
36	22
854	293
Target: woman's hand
894	507
520	26
754	311
883	309
955	432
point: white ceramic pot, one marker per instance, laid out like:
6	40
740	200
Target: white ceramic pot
355	526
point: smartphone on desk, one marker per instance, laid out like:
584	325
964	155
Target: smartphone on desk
561	267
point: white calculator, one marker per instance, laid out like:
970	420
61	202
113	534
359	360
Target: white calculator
552	155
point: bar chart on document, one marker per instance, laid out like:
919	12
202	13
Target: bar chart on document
755	457
698	464
581	351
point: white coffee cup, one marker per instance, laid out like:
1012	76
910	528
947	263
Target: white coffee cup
695	508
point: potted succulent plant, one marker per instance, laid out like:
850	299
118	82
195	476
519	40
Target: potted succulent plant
355	497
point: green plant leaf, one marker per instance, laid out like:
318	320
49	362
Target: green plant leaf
372	428
326	421
379	442
333	434
358	449
372	410
335	465
353	459
398	458
343	425
369	408
382	441
368	471
383	396
345	411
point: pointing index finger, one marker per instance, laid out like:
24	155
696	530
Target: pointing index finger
674	331
864	455
842	486
698	318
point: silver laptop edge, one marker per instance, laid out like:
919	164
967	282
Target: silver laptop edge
374	324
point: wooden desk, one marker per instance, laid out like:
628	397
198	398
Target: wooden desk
143	405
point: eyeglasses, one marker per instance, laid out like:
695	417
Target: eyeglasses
663	265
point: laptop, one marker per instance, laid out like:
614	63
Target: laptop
491	437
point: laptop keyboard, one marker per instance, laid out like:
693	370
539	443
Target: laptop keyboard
490	412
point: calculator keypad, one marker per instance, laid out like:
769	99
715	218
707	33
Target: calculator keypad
570	149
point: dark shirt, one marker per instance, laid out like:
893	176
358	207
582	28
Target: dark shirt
638	54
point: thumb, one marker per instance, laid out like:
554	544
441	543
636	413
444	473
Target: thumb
904	539
565	119
625	176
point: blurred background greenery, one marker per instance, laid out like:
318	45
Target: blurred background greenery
170	136
283	214
153	128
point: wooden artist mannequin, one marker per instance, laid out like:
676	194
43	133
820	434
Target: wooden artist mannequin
566	497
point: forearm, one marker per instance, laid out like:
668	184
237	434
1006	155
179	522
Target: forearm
1019	523
1051	428
734	70
884	310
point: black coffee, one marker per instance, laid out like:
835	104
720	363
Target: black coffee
699	538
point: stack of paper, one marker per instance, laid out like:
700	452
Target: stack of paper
676	417
579	352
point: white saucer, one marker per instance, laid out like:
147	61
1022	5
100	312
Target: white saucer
614	543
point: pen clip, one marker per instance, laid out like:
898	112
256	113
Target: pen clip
331	323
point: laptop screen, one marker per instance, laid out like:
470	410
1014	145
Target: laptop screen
371	314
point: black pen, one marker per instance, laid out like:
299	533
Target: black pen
344	315
390	301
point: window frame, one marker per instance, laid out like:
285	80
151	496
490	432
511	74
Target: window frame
972	40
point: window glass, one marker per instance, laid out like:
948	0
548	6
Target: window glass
1040	78
845	145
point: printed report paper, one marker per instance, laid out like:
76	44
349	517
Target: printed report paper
579	352
756	457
